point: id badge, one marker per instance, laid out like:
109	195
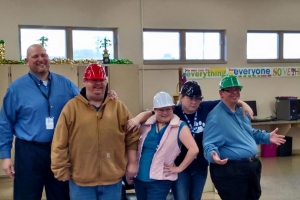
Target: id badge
49	123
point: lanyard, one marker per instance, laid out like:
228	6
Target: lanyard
192	128
47	97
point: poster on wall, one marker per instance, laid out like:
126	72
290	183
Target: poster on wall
253	72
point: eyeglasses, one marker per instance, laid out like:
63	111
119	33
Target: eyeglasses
232	90
162	110
96	81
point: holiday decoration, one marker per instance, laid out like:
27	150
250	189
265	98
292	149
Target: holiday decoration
2	50
66	61
62	61
43	41
105	43
121	61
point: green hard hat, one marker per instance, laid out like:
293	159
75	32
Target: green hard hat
230	81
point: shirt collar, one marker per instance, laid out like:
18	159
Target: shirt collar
237	110
38	80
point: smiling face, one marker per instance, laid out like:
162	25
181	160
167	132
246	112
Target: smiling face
164	114
37	60
95	88
231	95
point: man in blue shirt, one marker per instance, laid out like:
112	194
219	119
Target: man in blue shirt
230	145
30	110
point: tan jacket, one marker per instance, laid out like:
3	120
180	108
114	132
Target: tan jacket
89	146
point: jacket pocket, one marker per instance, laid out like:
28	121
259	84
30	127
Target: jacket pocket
86	167
108	166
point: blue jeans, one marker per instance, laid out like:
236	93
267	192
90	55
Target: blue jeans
156	190
189	185
101	192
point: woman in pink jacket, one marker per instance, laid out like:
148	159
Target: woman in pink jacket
159	145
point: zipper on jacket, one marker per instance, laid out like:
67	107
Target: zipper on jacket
98	135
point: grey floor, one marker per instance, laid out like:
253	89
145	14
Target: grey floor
280	180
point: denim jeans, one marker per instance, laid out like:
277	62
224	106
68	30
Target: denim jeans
156	190
189	185
101	192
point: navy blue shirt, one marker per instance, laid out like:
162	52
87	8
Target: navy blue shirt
25	109
205	107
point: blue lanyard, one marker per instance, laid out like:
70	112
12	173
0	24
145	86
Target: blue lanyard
192	128
47	97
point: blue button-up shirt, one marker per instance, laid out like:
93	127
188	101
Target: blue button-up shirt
25	109
231	135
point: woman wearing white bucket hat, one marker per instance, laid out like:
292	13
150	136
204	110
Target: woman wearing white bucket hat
161	138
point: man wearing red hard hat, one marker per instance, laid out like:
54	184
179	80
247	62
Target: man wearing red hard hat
91	147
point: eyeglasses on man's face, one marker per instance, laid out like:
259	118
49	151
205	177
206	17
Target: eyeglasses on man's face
232	90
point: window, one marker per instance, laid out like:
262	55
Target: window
183	46
55	41
69	42
291	45
161	46
203	46
273	46
262	46
87	44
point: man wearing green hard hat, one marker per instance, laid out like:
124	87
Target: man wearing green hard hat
230	145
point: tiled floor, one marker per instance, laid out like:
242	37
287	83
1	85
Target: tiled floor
280	181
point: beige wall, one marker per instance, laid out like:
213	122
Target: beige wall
131	16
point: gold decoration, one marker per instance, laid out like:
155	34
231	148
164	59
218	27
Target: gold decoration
66	61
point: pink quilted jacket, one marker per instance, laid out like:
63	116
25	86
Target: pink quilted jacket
167	150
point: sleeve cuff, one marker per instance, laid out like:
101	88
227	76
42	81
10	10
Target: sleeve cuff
5	154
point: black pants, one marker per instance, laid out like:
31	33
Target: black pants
33	172
237	180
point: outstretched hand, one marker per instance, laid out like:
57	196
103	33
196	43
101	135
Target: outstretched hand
275	138
217	159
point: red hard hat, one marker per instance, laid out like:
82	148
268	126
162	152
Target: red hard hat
95	72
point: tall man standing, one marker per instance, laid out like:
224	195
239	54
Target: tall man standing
30	110
230	145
